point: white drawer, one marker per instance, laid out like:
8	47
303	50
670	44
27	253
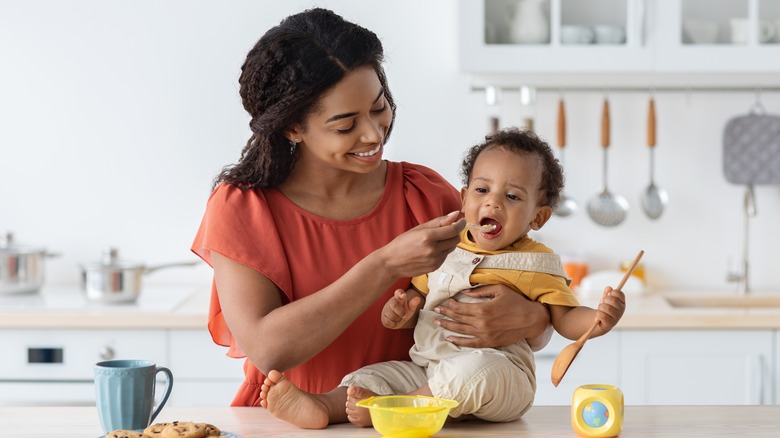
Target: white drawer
53	355
195	356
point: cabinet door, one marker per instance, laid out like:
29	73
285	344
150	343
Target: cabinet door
723	36
597	362
608	37
699	367
204	375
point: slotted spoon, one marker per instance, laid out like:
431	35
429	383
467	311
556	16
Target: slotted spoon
567	355
606	208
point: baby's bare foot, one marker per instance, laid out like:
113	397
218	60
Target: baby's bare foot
286	402
357	415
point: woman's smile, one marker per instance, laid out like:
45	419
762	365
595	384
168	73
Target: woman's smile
368	154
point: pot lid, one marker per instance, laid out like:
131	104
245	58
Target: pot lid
8	246
110	260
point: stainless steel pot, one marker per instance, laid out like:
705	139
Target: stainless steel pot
21	266
115	281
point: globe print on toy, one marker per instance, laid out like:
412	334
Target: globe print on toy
595	414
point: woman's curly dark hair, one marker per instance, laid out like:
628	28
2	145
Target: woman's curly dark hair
522	142
282	80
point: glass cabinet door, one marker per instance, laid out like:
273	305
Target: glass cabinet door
552	36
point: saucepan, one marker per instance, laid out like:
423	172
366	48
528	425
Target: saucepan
21	266
112	280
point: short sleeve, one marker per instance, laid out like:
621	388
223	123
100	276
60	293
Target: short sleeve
427	193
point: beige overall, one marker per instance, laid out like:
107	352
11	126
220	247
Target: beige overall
493	384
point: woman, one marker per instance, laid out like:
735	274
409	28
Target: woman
311	231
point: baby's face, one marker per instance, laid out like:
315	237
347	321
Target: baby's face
504	191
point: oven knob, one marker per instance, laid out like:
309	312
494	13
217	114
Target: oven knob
106	353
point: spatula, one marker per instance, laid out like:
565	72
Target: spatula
567	355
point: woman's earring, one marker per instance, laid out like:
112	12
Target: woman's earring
293	146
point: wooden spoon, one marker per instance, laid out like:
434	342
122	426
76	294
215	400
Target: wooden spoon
567	355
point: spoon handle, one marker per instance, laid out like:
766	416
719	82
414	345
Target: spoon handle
605	124
630	269
651	123
622	283
561	124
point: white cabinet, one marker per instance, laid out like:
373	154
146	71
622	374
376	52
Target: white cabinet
55	367
597	362
203	374
706	367
583	42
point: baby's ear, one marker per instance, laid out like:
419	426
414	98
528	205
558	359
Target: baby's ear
543	214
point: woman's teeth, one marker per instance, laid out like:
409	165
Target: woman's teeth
369	153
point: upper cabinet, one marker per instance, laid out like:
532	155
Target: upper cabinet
661	41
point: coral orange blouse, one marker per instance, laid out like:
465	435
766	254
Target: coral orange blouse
302	253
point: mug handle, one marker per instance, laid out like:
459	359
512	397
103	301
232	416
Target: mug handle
168	388
768	31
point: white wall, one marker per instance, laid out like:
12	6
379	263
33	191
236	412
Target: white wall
116	115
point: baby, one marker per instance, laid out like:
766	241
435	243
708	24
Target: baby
513	182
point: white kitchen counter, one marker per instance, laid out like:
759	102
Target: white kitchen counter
156	308
540	421
187	308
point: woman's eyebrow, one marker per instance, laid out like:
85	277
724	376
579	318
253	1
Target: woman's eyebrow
345	115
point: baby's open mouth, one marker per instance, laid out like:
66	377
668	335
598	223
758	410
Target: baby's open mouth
490	226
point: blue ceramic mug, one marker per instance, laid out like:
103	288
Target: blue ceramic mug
124	391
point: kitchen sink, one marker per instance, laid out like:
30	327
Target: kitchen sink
724	300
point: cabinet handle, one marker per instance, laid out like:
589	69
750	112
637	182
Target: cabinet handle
106	353
758	391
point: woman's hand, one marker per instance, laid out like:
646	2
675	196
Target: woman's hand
507	318
423	248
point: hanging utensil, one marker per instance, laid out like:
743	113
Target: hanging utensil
605	208
654	199
567	355
566	205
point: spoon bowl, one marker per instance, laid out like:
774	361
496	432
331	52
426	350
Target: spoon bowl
654	200
566	206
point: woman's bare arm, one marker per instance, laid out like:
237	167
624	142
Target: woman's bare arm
263	327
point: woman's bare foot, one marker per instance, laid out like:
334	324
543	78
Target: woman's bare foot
286	402
357	415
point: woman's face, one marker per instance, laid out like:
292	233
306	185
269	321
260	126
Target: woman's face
348	129
504	191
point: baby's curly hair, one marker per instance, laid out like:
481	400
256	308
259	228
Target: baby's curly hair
522	142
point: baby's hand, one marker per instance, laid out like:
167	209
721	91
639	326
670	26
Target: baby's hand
610	310
398	311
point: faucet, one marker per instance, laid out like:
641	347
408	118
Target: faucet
742	278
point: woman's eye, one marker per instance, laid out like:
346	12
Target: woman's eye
380	109
346	131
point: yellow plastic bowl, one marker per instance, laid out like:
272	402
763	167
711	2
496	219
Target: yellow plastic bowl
407	416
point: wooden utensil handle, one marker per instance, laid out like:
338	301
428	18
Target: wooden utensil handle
630	270
605	124
651	123
561	124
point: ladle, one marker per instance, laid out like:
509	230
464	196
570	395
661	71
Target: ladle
566	205
654	199
567	355
605	208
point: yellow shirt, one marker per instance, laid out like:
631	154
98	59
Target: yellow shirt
538	286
